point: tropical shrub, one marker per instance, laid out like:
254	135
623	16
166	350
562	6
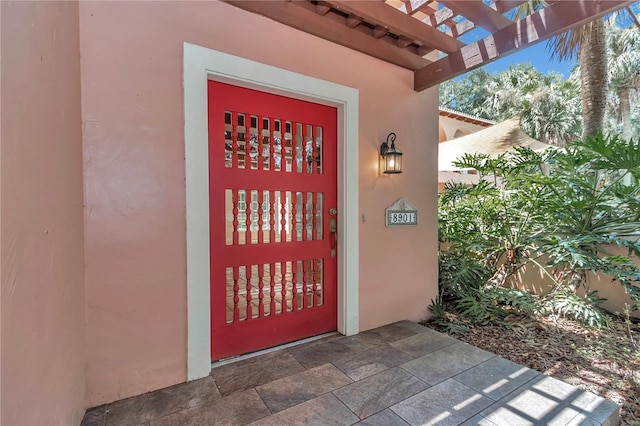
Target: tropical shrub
583	309
561	205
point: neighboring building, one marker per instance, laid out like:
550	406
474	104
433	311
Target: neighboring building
139	141
454	124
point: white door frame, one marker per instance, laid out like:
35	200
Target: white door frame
202	64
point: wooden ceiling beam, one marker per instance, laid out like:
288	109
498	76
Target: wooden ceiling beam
414	6
441	16
460	29
403	42
399	23
353	21
379	32
445	15
423	50
479	13
503	6
303	16
548	22
322	9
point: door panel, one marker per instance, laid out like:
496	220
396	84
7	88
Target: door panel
272	171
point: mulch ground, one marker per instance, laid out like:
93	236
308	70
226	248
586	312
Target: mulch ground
605	362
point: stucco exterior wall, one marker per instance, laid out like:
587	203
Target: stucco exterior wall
43	297
132	104
531	278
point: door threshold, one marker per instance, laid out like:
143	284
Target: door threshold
250	355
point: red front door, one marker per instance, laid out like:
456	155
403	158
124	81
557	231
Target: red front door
272	179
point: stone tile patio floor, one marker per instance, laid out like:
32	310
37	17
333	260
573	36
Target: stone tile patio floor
398	374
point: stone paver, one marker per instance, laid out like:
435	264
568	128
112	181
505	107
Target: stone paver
392	332
496	377
254	372
368	363
424	343
323	410
293	390
313	355
398	374
440	365
238	409
545	400
447	403
162	402
375	393
383	418
477	420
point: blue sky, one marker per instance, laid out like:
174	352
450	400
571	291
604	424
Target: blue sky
538	56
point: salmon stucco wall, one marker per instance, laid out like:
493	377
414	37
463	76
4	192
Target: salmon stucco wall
133	112
43	297
531	278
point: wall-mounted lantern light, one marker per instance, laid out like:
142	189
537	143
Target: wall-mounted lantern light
391	157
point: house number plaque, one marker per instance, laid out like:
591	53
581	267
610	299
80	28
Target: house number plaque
401	213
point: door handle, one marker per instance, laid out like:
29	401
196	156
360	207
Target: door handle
333	229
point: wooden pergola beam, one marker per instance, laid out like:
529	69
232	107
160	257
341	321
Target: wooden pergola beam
322	9
504	6
548	22
460	29
440	17
479	13
444	15
414	6
399	23
303	16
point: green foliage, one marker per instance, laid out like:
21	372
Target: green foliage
468	93
480	308
623	65
456	311
582	309
449	322
550	106
515	301
563	205
460	274
464	299
494	304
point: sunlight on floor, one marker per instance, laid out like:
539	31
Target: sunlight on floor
467	402
495	386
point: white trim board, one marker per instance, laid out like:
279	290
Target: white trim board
202	64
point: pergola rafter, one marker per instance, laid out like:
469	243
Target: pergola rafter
406	32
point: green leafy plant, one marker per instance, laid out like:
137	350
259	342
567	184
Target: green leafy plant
460	274
582	309
515	301
449	322
550	106
566	206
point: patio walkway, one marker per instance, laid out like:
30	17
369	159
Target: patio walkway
398	374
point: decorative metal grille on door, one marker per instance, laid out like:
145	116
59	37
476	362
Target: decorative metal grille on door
272	182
